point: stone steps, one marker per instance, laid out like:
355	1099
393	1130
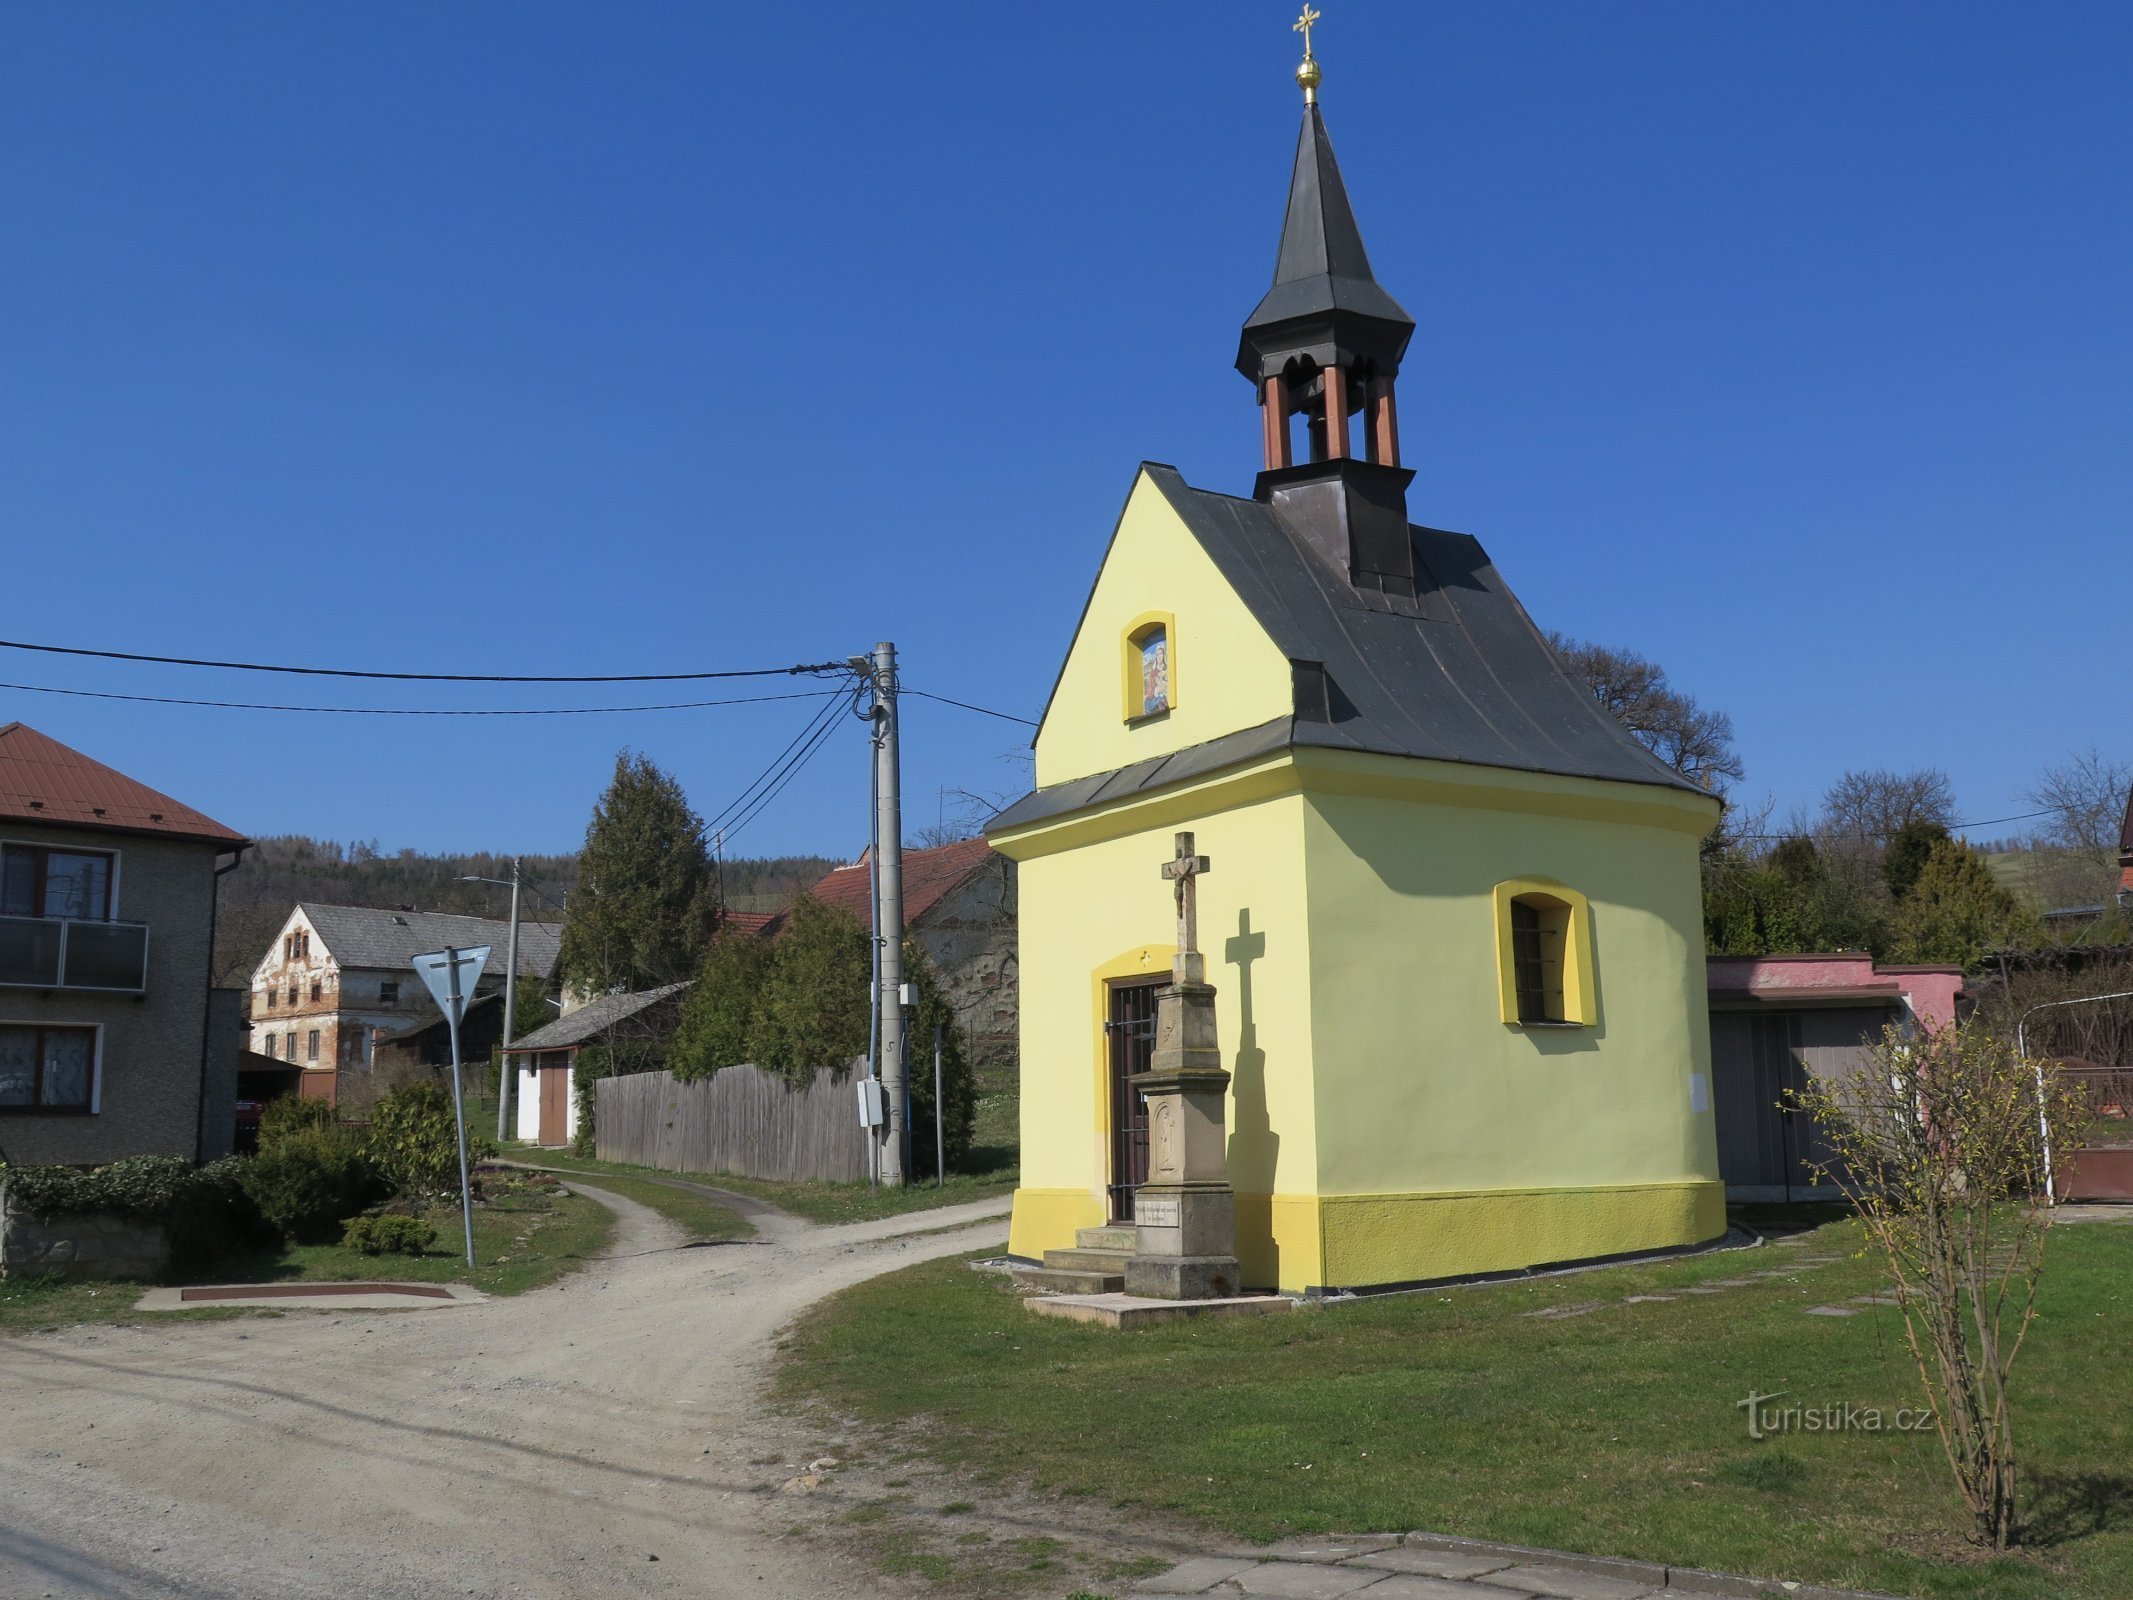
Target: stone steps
1064	1280
1120	1236
1084	1259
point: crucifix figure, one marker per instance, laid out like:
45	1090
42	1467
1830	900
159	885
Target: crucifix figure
1182	868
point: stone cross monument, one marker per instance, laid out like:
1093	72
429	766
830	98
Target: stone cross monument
1186	1213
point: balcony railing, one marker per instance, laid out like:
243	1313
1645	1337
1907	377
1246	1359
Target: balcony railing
71	953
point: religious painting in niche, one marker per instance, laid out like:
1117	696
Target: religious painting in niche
1155	671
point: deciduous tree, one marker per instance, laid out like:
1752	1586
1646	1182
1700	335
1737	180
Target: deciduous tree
1694	742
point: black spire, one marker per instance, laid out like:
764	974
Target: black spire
1326	342
1324	307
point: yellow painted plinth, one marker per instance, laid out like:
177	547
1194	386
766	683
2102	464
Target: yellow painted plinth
1297	1242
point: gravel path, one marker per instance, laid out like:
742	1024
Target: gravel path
602	1437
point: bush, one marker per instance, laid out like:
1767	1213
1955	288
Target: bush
205	1210
414	1143
139	1186
212	1214
292	1114
587	1068
307	1183
388	1235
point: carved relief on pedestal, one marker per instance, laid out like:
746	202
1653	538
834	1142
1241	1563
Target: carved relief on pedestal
1165	1160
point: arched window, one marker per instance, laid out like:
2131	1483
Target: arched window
1544	954
1150	666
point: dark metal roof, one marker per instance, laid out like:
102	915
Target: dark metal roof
1459	673
594	1018
1322	274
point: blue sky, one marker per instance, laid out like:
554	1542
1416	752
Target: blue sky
1786	343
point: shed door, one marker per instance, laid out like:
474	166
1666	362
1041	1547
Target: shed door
555	1105
1759	1060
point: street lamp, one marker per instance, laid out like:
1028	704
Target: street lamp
506	1079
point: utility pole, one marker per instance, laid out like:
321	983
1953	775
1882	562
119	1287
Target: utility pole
506	1078
889	914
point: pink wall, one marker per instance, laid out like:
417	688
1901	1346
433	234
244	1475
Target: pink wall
1931	991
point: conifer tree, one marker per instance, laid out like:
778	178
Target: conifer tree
645	906
811	1011
717	1023
1956	911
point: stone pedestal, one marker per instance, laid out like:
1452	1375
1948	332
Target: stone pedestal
1185	1215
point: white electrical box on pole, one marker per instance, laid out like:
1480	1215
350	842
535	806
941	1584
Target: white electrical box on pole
441	972
506	1079
889	915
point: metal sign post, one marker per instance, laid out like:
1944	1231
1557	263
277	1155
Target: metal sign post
441	973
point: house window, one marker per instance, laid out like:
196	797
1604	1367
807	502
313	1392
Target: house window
36	882
1544	955
47	1069
311	1045
1150	667
273	998
317	988
292	1046
272	1044
389	992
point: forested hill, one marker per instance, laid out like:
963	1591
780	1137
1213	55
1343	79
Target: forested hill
277	873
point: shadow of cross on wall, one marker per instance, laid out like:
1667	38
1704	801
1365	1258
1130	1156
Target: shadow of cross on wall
1252	1140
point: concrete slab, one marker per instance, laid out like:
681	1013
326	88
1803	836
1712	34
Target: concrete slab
1304	1580
1831	1311
1645	1299
1127	1311
311	1296
1566	1583
1196	1576
1415	1586
1434	1564
1328	1546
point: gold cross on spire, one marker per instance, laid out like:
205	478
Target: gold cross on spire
1307	73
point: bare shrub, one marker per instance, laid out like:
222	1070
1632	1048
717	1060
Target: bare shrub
1939	1141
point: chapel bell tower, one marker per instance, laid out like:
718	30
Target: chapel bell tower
1325	345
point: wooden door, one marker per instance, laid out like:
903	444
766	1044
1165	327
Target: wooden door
555	1105
1130	1040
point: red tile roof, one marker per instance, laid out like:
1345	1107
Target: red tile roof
749	921
41	780
928	876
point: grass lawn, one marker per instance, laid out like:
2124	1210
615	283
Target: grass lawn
523	1238
40	1304
817	1202
1615	1431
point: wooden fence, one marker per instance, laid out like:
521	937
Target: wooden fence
740	1119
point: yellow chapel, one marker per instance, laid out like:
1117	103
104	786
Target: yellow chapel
1453	918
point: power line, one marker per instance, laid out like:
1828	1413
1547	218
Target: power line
777	777
424	711
775	767
734	828
1858	837
425	677
1004	716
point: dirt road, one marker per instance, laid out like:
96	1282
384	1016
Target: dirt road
600	1438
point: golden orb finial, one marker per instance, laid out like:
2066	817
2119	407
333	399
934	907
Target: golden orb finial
1307	73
